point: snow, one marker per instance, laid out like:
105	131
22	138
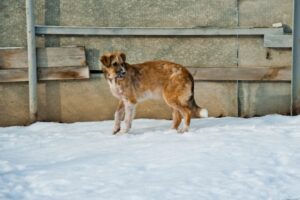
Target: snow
220	158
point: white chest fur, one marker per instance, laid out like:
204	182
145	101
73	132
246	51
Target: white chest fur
156	94
115	89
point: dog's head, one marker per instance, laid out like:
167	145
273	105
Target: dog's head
114	65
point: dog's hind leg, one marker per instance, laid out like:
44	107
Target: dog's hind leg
177	99
187	114
179	111
176	119
119	115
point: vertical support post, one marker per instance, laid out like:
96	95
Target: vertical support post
32	69
296	60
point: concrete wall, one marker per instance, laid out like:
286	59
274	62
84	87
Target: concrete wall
69	101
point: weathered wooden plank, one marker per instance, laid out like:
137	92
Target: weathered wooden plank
63	73
245	74
53	73
152	31
278	41
61	56
202	73
13	58
46	57
13	75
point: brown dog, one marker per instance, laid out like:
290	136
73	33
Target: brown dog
154	79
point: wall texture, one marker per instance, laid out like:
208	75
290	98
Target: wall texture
70	101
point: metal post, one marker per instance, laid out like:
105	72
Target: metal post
296	60
32	69
153	31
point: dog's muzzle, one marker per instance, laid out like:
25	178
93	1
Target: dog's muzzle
121	73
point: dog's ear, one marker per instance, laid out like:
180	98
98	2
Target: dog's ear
123	56
106	60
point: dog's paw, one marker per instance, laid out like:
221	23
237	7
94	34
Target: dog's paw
170	131
116	130
125	130
183	130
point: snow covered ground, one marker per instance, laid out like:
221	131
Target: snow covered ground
226	158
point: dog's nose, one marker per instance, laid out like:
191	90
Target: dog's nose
121	72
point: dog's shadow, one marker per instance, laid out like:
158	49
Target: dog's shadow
166	128
152	129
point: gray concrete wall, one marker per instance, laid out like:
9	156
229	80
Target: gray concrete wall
261	98
69	101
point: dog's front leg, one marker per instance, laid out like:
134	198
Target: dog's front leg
119	115
129	114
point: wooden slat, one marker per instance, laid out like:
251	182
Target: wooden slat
13	58
13	75
61	57
53	73
63	73
244	74
278	41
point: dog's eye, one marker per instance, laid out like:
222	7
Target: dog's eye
115	64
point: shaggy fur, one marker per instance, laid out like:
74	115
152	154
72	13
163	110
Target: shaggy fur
154	79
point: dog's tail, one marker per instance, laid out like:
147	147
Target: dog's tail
199	112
